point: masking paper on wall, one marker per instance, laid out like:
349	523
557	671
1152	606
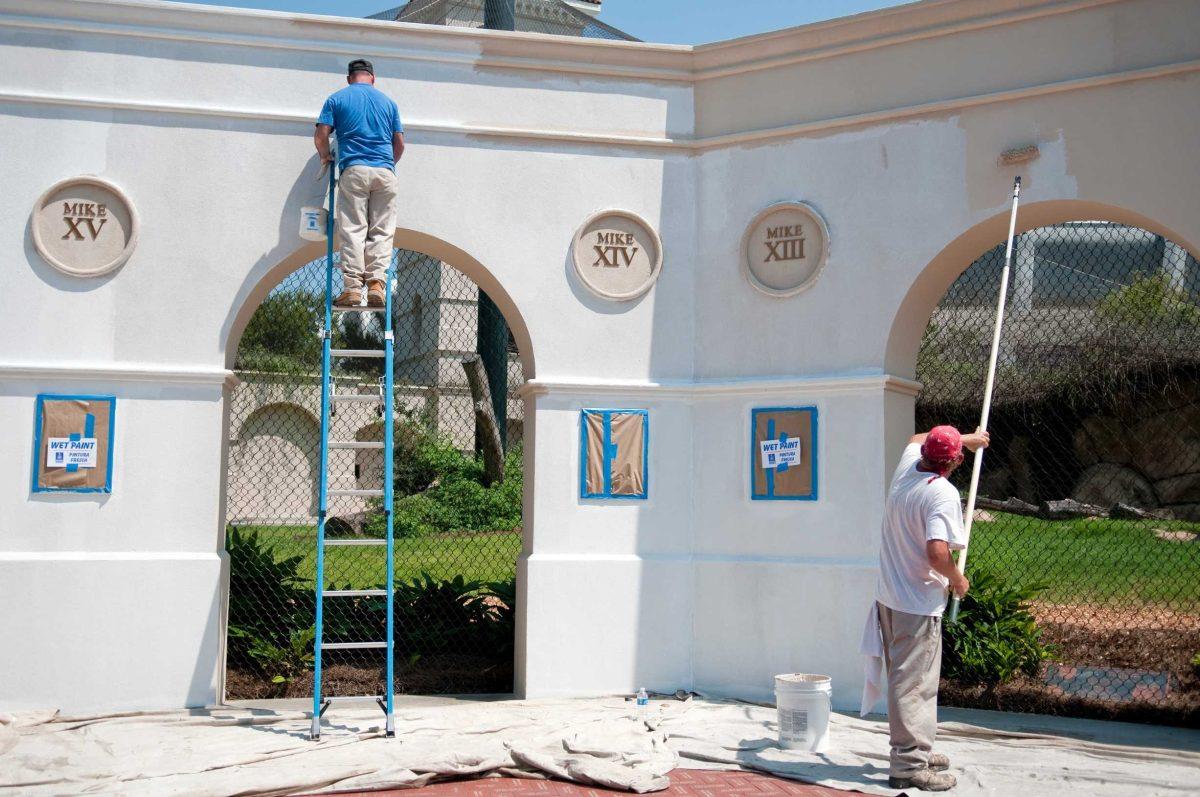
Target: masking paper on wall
73	443
628	439
614	453
594	453
783	454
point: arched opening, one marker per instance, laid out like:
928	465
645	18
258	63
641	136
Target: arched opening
273	459
1090	495
458	530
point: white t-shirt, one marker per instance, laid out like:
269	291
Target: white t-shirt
920	507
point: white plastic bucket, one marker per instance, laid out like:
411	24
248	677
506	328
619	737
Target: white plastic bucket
803	704
312	223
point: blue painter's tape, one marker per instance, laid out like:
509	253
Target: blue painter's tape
770	472
767	492
89	430
783	466
608	452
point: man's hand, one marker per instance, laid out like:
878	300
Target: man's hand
959	584
976	440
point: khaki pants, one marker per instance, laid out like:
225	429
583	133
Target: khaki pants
912	648
366	218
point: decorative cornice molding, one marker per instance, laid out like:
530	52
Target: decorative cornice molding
683	144
721	388
508	50
886	27
944	106
114	372
228	112
348	37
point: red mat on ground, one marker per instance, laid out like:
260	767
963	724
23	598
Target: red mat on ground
684	783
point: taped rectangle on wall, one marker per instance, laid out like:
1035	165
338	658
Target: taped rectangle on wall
783	454
73	444
613	448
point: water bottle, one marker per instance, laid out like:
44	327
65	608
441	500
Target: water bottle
643	700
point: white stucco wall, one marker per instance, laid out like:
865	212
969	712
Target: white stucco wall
890	124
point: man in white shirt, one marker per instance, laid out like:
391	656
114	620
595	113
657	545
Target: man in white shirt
922	523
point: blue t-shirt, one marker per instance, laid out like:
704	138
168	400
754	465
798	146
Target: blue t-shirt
364	119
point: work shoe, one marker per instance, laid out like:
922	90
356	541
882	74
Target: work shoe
350	297
376	294
938	762
923	780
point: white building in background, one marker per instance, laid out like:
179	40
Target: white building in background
888	125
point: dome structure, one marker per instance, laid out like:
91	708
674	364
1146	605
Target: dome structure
553	17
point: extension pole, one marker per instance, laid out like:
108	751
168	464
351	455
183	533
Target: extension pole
977	465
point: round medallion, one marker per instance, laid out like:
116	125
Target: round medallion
617	255
784	248
84	226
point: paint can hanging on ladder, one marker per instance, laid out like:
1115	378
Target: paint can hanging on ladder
312	223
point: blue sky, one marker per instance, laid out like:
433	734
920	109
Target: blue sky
671	21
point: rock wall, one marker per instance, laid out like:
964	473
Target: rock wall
1141	448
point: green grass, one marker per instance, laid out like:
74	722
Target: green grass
1079	561
1092	561
476	557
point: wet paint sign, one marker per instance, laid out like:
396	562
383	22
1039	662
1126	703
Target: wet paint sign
780	454
62	452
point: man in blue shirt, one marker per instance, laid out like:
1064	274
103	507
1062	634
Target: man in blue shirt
370	141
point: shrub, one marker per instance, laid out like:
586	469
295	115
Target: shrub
268	599
282	663
996	636
499	600
457	500
432	615
1149	301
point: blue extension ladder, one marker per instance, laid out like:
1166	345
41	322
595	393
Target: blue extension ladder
329	397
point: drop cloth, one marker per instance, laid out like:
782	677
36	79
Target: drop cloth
247	751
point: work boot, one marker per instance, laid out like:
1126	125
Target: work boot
923	780
350	296
376	294
938	762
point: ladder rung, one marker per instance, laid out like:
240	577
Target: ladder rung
358	308
373	398
348	493
354	593
356	352
352	645
349	698
356	444
363	541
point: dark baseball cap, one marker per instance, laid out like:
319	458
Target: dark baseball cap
360	65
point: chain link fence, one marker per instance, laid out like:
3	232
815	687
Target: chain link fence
457	535
1090	505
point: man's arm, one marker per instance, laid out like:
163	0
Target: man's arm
938	552
397	146
972	442
321	140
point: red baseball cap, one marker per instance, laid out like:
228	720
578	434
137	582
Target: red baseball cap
942	445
